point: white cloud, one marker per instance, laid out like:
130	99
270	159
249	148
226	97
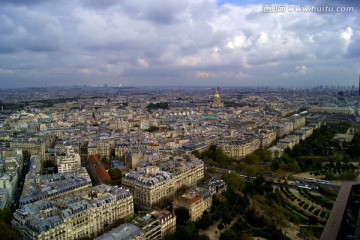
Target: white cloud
347	34
143	63
301	69
263	39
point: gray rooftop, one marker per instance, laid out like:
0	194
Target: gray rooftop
126	231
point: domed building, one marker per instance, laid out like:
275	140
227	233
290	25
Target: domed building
217	100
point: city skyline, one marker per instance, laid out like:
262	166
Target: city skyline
125	163
177	43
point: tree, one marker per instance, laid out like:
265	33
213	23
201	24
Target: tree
220	156
233	180
197	153
162	105
153	129
205	221
26	154
252	159
215	201
6	231
226	217
182	215
211	170
115	173
250	170
49	164
5	215
204	237
265	155
116	176
228	235
187	231
220	226
255	217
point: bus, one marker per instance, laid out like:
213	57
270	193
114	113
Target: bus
324	182
310	180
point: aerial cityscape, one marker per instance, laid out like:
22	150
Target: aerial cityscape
180	120
179	162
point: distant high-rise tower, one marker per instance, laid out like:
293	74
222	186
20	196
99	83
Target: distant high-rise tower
217	100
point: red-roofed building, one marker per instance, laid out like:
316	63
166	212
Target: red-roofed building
153	146
103	174
196	201
93	159
97	170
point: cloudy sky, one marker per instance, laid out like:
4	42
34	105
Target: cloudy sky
176	43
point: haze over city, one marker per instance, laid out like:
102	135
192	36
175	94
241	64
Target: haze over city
176	43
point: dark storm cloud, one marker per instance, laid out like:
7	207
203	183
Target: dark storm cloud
28	30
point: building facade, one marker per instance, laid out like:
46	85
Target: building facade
238	149
82	214
216	103
156	224
70	162
196	201
151	186
126	231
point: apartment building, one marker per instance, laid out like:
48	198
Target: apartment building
196	201
336	110
46	187
153	184
77	215
126	231
288	142
70	162
121	148
11	165
97	170
156	224
238	149
304	132
267	137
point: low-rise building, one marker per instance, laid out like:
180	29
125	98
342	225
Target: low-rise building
126	231
11	165
5	201
215	185
288	142
97	170
70	162
196	201
276	152
167	221
156	224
